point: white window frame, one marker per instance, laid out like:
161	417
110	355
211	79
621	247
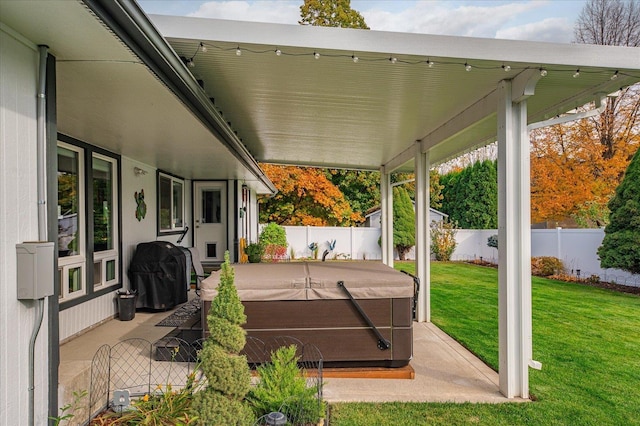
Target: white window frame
105	256
173	229
78	260
64	280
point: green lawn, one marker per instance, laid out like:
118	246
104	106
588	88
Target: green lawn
586	338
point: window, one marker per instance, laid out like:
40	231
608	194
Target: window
170	204
71	221
88	221
105	223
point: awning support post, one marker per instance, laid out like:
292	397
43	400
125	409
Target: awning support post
514	240
386	218
422	249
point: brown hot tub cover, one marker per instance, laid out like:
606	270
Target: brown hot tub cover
304	300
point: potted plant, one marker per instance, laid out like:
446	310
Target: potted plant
254	251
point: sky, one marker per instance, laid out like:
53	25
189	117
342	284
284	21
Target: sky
535	20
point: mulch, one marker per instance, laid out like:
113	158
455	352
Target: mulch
615	287
599	284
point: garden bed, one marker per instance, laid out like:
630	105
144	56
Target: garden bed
593	281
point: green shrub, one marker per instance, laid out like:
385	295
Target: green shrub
545	266
443	239
228	376
273	234
283	383
254	252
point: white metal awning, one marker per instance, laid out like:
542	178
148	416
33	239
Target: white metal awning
115	92
333	112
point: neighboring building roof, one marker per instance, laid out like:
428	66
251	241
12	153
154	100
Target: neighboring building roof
376	209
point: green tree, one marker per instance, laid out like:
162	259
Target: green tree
331	13
470	196
435	190
404	219
305	197
361	188
222	402
621	245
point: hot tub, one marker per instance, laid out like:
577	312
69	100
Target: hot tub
357	313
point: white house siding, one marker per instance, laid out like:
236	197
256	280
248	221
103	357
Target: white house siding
18	223
88	314
83	316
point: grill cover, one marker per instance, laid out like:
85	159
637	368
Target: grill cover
158	273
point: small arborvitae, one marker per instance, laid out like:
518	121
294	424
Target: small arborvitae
228	377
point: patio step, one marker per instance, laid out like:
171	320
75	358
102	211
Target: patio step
169	348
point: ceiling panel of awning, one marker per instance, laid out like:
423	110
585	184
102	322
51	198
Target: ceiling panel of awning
333	112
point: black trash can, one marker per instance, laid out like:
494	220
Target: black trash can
126	305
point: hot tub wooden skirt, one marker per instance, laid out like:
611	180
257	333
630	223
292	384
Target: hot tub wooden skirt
336	328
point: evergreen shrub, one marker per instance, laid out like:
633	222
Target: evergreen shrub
404	218
223	402
621	244
282	383
492	241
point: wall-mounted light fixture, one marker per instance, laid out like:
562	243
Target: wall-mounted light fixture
139	172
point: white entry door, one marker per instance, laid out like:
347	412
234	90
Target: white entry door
210	219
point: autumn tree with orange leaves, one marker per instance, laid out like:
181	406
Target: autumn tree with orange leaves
305	197
576	167
574	174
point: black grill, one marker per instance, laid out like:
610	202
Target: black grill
158	273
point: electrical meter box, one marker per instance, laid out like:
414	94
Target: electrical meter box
35	270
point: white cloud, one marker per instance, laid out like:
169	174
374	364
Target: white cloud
519	20
440	18
260	11
552	29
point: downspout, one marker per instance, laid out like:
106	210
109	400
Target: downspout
599	109
42	213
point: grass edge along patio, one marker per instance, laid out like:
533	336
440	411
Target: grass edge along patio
585	337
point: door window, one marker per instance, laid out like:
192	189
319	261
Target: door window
211	206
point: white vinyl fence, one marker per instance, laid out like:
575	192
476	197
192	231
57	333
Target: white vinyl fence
350	243
577	248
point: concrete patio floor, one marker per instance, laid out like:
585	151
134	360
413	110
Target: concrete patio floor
444	370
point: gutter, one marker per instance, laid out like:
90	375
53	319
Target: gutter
599	109
129	22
